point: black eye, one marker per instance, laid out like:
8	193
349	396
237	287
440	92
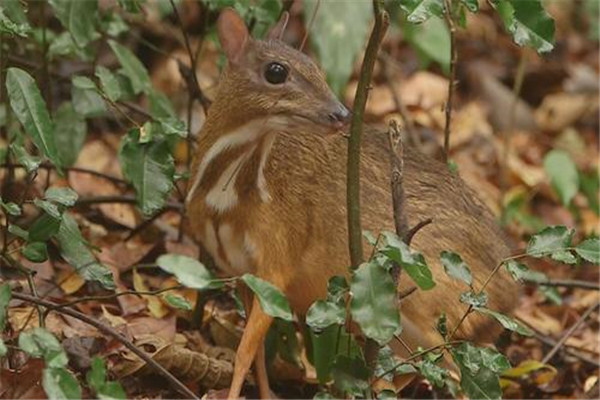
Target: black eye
276	73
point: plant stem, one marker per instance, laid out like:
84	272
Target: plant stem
449	16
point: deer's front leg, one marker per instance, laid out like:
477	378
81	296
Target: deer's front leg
253	337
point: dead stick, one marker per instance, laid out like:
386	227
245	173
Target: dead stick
570	332
173	381
449	15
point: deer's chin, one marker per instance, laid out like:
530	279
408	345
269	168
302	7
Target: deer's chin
318	121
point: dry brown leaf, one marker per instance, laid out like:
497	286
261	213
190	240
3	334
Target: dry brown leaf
164	327
69	280
155	306
181	362
114	320
559	110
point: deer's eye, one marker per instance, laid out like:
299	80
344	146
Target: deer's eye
276	73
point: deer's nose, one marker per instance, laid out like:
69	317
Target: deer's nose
340	116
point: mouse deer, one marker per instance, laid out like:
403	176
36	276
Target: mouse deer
267	196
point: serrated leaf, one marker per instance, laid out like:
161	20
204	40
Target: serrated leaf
60	384
373	302
40	343
132	68
506	321
418	11
109	83
62	195
150	168
589	250
338	35
271	299
13	19
528	23
36	252
5	296
75	251
322	314
563	175
28	105
188	271
350	375
455	267
550	240
70	130
474	299
411	261
78	17
30	162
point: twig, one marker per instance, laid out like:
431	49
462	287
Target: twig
32	288
397	163
409	124
115	295
309	25
356	128
74	169
570	332
413	231
107	330
448	15
193	86
568	283
120	199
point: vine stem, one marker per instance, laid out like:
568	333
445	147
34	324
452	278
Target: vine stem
173	381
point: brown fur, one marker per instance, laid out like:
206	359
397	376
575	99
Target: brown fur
301	234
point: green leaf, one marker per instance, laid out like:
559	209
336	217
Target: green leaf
40	343
337	287
434	373
18	231
563	174
64	45
109	83
96	379
373	303
472	5
188	271
60	384
177	301
150	168
271	300
62	195
455	267
590	186
411	261
431	40
49	208
3	348
550	241
589	250
132	68
69	133
337	36
551	294
418	11
326	345
86	100
78	17
11	208
35	252
30	109
506	321
479	370
75	251
474	299
160	105
282	340
44	228
521	272
350	375
528	23
30	162
322	314
5	296
13	19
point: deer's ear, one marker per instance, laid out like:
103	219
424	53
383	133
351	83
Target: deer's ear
276	32
233	34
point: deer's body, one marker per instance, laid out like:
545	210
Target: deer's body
268	195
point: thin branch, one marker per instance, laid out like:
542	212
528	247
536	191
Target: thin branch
570	332
113	179
115	295
568	283
107	330
397	181
415	229
309	25
409	124
449	16
356	128
85	201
